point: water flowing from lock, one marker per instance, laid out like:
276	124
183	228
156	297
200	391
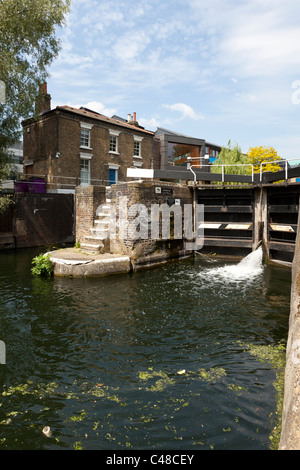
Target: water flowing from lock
247	270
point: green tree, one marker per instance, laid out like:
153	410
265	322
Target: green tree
233	158
28	45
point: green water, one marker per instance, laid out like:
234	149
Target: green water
149	360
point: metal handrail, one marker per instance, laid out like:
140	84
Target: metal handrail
54	180
286	161
223	168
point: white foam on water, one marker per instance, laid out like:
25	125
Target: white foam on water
246	270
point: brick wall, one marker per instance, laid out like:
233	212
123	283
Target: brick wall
149	193
87	200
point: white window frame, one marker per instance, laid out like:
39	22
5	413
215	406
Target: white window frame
136	148
137	139
115	134
86	127
87	158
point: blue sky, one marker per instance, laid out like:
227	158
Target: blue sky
212	69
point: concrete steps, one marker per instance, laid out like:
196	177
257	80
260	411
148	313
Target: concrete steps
98	239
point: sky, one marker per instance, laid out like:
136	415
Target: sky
217	70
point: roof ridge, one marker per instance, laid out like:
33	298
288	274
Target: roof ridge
101	117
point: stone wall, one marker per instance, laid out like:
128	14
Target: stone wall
290	434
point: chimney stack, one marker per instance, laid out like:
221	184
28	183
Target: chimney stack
134	121
43	102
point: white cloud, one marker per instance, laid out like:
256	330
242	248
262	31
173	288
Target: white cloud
130	45
98	107
185	110
91	105
151	124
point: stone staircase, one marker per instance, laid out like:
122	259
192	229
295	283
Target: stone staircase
98	239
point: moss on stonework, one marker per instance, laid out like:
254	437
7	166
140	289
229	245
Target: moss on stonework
275	355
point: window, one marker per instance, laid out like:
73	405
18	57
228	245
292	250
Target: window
85	135
113	141
178	154
113	144
85	169
137	149
85	138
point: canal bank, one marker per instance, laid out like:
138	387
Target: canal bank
75	262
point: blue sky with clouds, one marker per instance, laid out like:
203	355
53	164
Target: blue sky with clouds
212	69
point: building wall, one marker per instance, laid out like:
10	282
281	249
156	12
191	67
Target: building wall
52	144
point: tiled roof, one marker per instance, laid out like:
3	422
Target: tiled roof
101	117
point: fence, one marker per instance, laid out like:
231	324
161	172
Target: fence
223	167
52	183
44	183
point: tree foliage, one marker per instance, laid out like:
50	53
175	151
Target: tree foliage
266	155
28	45
233	158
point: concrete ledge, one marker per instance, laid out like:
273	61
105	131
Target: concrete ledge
73	263
157	259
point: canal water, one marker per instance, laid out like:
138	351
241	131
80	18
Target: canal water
158	359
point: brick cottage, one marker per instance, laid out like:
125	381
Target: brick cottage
72	147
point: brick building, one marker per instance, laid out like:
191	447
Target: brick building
72	147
